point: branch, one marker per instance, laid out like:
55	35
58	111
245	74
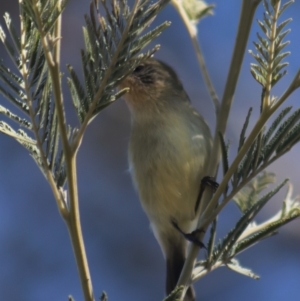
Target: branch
246	17
89	114
192	31
45	168
73	217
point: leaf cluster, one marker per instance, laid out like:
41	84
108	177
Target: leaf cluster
245	181
112	44
29	88
270	145
246	232
48	10
269	67
111	48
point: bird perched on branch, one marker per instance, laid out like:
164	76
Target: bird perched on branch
169	147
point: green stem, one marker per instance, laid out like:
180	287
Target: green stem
247	14
24	71
209	213
192	30
73	217
246	17
74	227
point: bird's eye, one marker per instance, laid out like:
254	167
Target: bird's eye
138	69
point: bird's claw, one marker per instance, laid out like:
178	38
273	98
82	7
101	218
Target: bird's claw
192	237
207	181
210	182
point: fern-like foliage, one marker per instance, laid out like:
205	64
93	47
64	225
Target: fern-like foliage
247	232
269	68
227	247
284	132
111	47
273	143
29	88
264	146
249	195
49	12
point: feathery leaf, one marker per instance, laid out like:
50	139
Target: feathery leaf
235	266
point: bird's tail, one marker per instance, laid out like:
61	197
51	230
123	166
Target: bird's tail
175	261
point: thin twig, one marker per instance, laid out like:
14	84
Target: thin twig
24	72
246	17
89	114
18	137
73	218
204	271
192	30
264	117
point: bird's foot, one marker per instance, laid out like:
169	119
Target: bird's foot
192	237
210	182
207	181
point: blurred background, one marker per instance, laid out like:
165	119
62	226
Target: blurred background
36	258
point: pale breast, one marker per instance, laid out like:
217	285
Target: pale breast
167	161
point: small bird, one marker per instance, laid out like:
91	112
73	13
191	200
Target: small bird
168	149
